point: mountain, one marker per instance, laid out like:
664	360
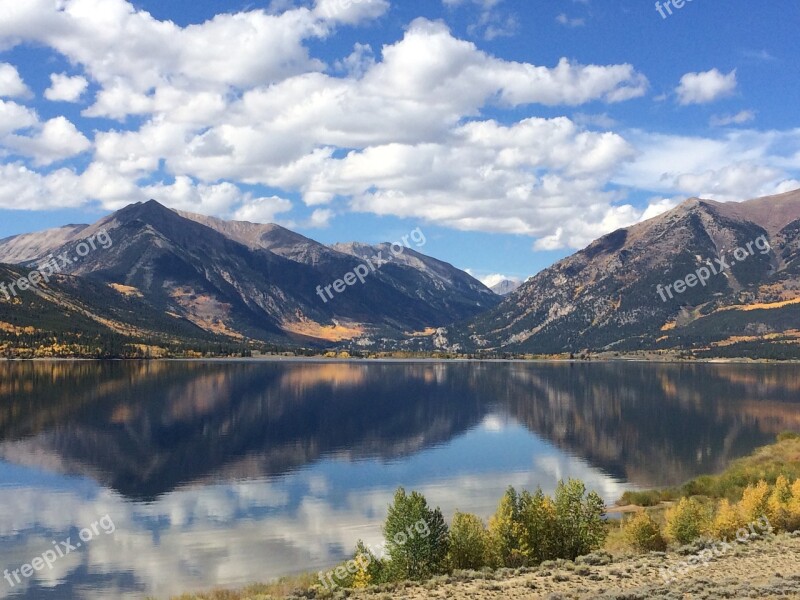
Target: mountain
505	287
73	316
620	293
241	281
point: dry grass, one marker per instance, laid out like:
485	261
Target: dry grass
330	333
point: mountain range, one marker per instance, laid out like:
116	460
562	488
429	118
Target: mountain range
707	278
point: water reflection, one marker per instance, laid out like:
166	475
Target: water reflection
224	473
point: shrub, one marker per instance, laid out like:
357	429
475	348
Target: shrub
644	534
793	519
469	542
727	521
645	497
686	521
755	501
778	504
416	538
371	570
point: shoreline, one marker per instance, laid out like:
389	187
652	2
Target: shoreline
362	360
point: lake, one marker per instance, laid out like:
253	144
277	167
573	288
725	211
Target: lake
228	472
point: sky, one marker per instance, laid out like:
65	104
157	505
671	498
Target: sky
511	132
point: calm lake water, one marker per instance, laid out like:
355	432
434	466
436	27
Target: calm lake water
224	473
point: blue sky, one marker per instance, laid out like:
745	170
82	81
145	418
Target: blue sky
512	132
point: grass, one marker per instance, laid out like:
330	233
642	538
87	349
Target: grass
286	586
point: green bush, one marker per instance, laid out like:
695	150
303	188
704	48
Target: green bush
469	542
687	521
416	538
644	534
645	497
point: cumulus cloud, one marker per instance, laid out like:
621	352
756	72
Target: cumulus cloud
14	117
240	100
350	12
64	88
56	139
11	84
698	166
705	87
23	188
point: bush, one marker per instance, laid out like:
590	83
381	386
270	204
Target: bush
686	521
469	543
793	520
755	502
416	538
778	504
371	570
727	521
644	534
646	498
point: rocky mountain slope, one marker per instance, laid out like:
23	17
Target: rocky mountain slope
250	281
614	294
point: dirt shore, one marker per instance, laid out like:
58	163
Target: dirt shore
757	569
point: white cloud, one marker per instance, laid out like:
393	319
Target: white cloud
350	12
14	117
705	87
676	165
567	21
55	140
24	189
740	118
495	278
64	88
399	130
11	84
262	210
